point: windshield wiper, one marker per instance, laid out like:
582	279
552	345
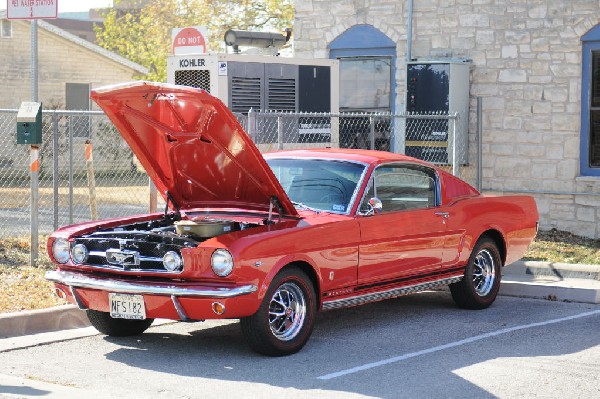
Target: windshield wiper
301	205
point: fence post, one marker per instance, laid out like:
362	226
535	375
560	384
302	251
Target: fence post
280	132
399	144
479	144
252	124
372	132
455	163
153	204
89	166
55	172
34	167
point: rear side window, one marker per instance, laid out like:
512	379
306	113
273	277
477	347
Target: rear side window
401	187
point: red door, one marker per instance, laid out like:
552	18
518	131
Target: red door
400	244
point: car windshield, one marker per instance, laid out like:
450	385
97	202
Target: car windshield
318	185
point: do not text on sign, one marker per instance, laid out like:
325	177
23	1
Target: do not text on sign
190	40
31	9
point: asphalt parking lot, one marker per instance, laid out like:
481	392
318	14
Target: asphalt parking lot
414	346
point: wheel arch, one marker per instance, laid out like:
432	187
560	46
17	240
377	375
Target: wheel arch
312	275
498	239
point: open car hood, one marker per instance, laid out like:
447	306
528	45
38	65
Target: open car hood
192	146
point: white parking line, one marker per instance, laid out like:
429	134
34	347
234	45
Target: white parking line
452	345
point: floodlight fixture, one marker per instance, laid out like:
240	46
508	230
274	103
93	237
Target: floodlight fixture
236	38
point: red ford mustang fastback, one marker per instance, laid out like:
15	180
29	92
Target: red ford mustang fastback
273	239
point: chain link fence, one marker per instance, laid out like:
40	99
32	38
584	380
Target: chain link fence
122	187
437	138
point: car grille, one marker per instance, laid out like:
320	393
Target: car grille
148	252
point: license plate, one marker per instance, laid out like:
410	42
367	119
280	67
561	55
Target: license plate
127	306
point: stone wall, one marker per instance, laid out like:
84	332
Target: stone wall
59	61
526	58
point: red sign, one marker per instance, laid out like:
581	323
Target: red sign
191	40
31	9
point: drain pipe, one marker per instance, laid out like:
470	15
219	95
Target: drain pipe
409	32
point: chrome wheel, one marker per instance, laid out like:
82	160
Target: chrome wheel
484	272
286	316
287	311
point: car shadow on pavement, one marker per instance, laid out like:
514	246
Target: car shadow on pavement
353	337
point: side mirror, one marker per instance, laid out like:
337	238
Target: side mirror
375	206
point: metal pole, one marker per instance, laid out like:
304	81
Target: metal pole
34	152
280	132
69	121
372	133
55	170
409	31
479	143
34	60
455	163
34	167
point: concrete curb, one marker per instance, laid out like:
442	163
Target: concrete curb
562	270
44	320
553	281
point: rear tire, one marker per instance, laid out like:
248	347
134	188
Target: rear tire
285	319
481	282
117	327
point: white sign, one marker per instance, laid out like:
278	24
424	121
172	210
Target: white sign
190	40
222	68
31	9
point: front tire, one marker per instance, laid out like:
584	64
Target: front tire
285	319
481	282
117	327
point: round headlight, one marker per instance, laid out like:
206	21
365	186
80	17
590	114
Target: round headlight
221	262
79	253
60	250
172	261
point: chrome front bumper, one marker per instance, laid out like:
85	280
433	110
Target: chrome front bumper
76	280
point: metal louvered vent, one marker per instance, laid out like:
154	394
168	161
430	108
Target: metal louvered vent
245	94
193	78
282	94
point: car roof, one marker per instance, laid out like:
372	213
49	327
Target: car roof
454	187
364	156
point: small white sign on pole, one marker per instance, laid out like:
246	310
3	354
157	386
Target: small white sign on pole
31	9
190	40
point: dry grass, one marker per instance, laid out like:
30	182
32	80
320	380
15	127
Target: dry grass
23	287
563	247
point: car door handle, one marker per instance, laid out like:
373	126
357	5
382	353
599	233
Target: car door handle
445	215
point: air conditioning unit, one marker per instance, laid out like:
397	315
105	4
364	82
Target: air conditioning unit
268	83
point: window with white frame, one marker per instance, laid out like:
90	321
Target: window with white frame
5	28
365	83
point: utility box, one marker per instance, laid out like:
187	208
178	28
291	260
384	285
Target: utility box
437	87
264	83
29	123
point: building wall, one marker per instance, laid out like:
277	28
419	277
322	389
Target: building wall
526	58
59	61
